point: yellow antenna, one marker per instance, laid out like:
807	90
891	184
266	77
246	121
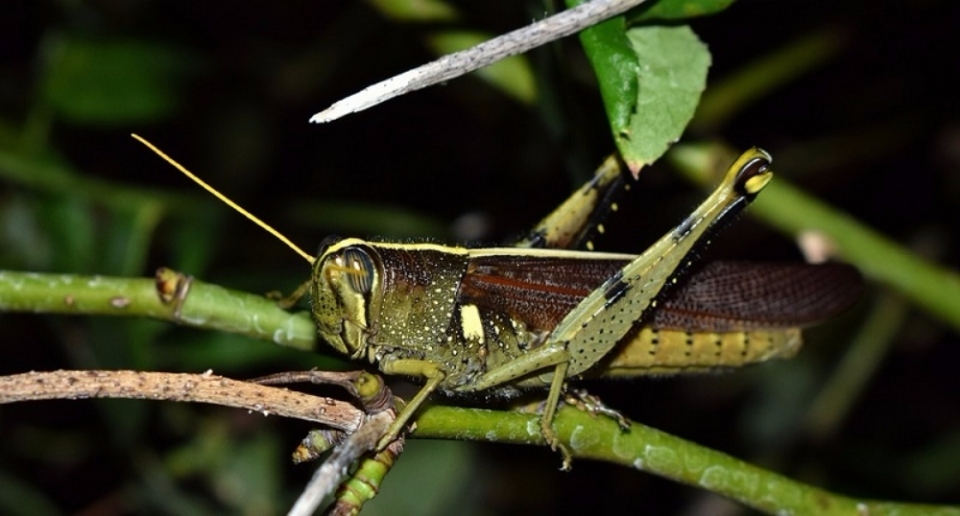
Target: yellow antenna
225	199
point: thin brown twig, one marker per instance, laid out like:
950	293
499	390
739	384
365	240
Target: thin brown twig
198	388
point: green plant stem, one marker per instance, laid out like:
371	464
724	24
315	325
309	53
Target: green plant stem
791	210
205	306
647	449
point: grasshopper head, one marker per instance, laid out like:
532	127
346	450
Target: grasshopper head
346	284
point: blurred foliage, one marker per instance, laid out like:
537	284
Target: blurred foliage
112	81
863	113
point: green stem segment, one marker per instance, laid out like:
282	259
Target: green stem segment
650	450
205	305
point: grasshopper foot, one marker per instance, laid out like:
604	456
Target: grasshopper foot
287	302
555	445
394	433
591	404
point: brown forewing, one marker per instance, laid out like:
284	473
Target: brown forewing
720	297
734	296
537	290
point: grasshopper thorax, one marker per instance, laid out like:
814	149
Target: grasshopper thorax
345	286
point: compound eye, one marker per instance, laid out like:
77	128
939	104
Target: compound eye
360	269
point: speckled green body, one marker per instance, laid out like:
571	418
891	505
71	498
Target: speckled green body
500	320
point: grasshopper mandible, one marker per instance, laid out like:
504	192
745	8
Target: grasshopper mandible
501	320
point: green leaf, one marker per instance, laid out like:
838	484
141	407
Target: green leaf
650	77
617	68
113	81
676	10
673	74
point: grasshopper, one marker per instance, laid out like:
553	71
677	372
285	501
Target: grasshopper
498	321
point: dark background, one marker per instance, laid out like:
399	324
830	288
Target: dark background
227	89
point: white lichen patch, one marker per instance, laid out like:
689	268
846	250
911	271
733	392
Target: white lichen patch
255	322
621	446
533	427
718	478
660	457
582	438
713	477
194	320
